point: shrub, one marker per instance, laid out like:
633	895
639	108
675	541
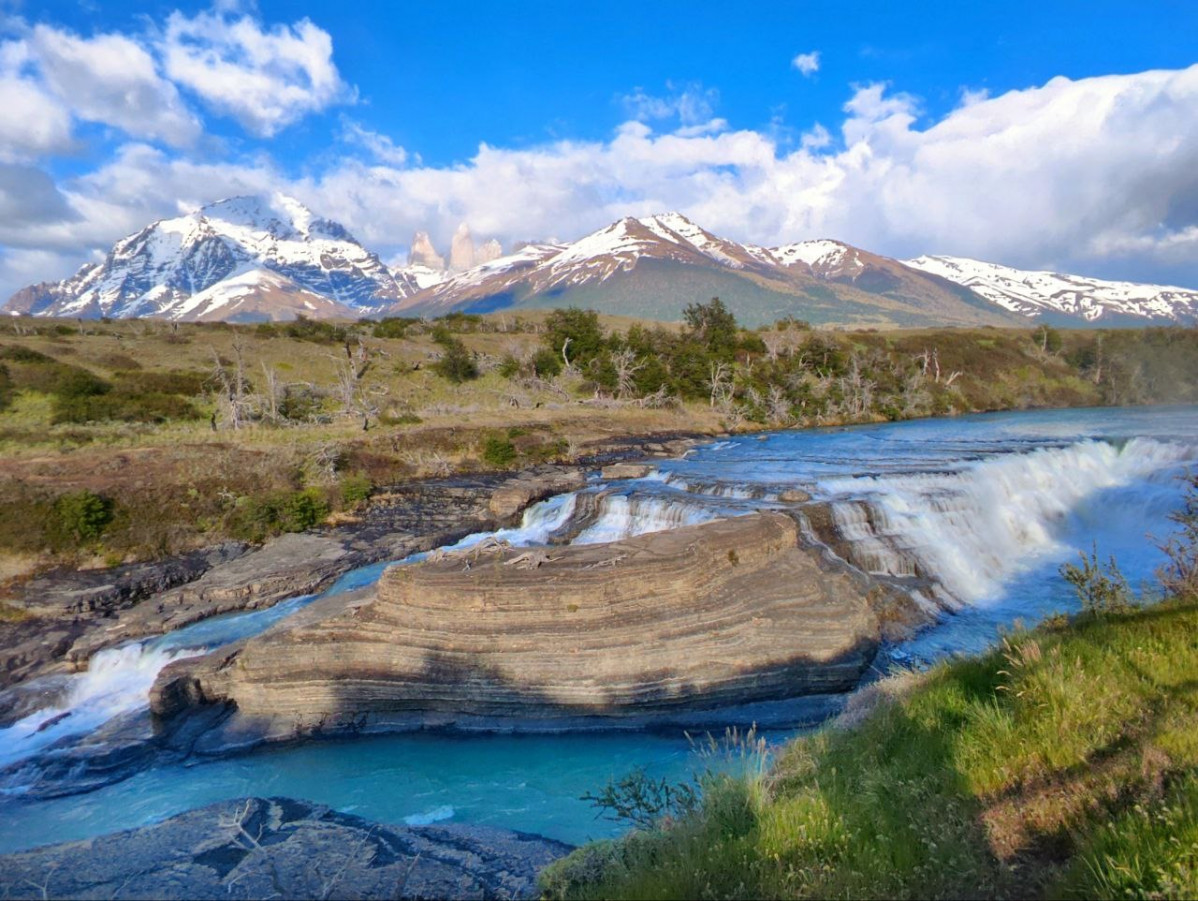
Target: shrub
546	363
79	517
509	366
74	383
306	329
1100	589
1179	574
19	354
581	329
184	384
355	489
256	518
456	364
301	510
499	452
642	801
392	327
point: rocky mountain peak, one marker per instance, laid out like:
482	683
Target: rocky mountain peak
461	251
422	253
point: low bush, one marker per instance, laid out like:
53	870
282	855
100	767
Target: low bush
355	489
78	518
256	518
499	452
456	363
393	327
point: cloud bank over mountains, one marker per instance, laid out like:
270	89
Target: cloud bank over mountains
1094	175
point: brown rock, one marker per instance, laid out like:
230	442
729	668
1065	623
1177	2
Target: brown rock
722	613
794	496
626	471
512	497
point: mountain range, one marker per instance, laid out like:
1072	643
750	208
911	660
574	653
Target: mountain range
260	258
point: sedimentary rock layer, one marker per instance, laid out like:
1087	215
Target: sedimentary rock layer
726	612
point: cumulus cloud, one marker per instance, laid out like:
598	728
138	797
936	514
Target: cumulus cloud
807	63
110	78
265	78
1093	175
33	123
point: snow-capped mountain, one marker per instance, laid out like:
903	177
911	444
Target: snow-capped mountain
241	258
654	266
254	258
1053	295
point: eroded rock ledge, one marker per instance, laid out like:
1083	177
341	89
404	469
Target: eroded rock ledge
728	612
283	848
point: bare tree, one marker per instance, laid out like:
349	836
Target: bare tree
232	385
777	405
271	397
720	382
350	390
627	365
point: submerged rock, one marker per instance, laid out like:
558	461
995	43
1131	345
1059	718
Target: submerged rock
728	612
283	848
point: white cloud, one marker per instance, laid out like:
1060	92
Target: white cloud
33	123
112	79
1097	173
692	104
817	138
807	63
266	78
381	147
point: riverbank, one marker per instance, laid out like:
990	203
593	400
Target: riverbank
281	847
1061	764
63	617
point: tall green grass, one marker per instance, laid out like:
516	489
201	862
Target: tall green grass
1064	763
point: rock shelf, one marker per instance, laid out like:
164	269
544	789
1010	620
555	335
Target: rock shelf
728	612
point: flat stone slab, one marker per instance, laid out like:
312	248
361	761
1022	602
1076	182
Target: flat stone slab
283	848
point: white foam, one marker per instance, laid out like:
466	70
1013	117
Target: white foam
975	529
117	681
436	815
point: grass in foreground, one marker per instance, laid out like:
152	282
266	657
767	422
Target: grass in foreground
1064	764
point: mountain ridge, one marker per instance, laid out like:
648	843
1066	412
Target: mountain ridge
264	257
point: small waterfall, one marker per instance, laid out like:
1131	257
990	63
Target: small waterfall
621	516
974	529
538	524
117	681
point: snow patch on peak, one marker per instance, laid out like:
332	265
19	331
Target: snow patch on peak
821	253
1036	292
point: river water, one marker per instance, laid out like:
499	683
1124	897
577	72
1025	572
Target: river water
986	508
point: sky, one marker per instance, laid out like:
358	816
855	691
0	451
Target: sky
1056	135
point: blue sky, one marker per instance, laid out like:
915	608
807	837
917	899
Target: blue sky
1062	135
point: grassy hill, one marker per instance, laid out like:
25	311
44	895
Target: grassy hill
1063	764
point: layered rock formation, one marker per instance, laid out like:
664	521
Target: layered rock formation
727	612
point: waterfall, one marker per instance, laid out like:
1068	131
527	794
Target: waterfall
974	529
623	516
117	681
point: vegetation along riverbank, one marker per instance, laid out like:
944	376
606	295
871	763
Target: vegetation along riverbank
135	440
